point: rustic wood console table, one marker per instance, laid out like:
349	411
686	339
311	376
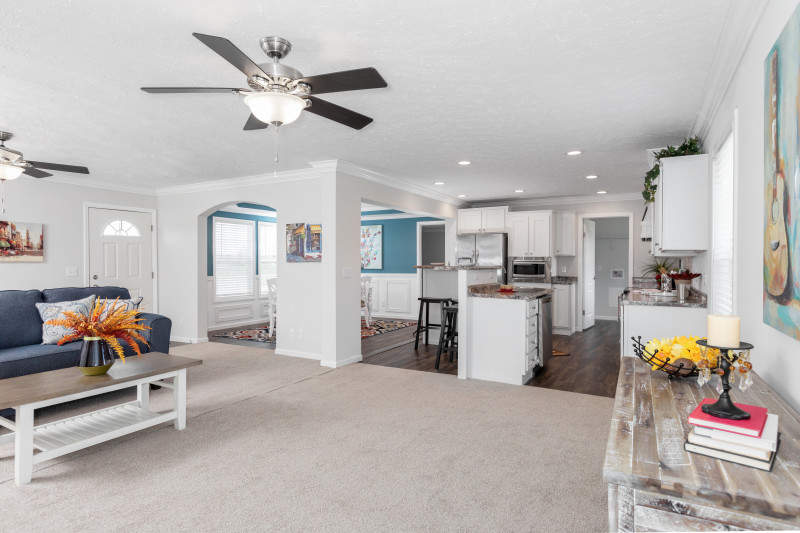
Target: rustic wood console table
655	485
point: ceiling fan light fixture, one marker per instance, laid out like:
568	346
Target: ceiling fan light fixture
10	172
274	107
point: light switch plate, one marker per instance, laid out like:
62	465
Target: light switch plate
347	272
72	272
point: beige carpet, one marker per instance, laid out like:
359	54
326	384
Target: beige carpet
278	443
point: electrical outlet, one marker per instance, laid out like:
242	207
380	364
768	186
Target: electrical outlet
291	332
72	272
300	334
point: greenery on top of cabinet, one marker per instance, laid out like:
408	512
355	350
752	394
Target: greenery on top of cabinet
691	146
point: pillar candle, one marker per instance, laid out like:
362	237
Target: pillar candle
723	331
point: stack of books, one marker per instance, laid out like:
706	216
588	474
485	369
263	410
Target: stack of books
753	442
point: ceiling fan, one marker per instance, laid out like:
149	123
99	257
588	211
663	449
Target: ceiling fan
12	165
278	93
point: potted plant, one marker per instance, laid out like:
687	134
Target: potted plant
690	146
101	332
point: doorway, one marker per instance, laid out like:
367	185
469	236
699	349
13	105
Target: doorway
606	260
120	252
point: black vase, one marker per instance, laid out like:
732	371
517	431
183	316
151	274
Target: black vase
96	356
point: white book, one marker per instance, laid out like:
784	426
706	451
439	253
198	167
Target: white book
768	440
741	449
732	457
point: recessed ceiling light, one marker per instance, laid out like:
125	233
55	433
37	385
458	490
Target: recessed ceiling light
591	177
462	195
438	183
464	163
574	152
520	190
601	192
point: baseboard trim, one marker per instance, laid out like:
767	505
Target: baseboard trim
249	323
410	317
497	379
297	353
606	318
341	363
188	340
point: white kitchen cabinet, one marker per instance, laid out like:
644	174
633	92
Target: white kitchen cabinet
681	206
565	233
530	234
659	322
482	220
563	305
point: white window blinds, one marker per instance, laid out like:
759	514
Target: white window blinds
722	231
234	257
267	253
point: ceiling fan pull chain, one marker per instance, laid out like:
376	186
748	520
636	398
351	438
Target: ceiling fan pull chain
275	168
3	195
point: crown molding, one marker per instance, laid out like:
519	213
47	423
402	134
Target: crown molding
393	216
354	170
78	182
560	200
317	170
737	32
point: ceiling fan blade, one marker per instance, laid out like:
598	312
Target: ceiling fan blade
62	168
337	113
36	173
254	124
231	54
346	80
191	90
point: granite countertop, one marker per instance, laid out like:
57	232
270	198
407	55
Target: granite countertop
654	297
564	280
459	267
489	290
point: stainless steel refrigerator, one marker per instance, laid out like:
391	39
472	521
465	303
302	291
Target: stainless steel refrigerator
484	249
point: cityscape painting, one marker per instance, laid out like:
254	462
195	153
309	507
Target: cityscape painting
21	242
303	243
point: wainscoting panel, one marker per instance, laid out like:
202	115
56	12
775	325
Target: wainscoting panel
395	295
234	313
398	295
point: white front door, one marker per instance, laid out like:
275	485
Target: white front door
588	273
121	251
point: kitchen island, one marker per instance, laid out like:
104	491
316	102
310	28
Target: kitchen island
651	313
507	335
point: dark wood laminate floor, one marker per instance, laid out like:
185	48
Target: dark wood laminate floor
396	349
592	366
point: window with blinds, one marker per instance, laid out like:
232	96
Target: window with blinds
234	257
267	254
722	231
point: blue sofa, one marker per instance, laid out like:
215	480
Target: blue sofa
21	348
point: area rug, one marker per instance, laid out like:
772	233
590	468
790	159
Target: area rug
257	334
378	326
559	352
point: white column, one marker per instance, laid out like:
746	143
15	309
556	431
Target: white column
179	399
23	444
143	395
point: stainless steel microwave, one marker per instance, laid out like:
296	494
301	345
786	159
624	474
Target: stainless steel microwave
529	269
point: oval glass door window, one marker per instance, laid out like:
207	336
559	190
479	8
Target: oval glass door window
121	228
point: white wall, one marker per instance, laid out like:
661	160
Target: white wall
776	356
60	207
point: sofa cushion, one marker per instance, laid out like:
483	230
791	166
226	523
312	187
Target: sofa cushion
20	323
76	293
24	360
51	334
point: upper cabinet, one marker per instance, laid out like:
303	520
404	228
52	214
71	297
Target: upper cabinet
530	234
565	233
681	206
482	220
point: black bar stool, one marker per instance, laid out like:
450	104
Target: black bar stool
425	305
448	340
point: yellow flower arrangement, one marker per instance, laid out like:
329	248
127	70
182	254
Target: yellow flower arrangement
682	347
109	322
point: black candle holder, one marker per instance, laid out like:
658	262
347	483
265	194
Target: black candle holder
724	407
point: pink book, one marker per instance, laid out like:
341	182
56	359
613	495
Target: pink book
753	426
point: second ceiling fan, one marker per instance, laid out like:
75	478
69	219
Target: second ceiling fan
278	93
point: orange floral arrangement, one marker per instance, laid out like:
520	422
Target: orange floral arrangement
110	323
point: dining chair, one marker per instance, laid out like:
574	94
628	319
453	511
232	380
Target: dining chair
366	298
272	299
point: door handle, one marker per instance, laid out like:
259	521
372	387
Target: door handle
94	277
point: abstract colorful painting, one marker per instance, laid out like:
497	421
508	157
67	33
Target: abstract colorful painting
21	242
372	247
303	243
782	181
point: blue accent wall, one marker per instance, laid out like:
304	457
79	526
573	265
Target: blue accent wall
210	233
399	244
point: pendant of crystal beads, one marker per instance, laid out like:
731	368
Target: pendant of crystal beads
743	382
718	386
701	377
749	380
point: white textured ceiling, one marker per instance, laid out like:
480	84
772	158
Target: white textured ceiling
509	86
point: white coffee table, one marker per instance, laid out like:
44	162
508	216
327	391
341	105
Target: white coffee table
27	393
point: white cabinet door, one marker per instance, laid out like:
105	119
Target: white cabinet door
540	235
519	237
681	215
493	219
565	234
469	220
561	306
